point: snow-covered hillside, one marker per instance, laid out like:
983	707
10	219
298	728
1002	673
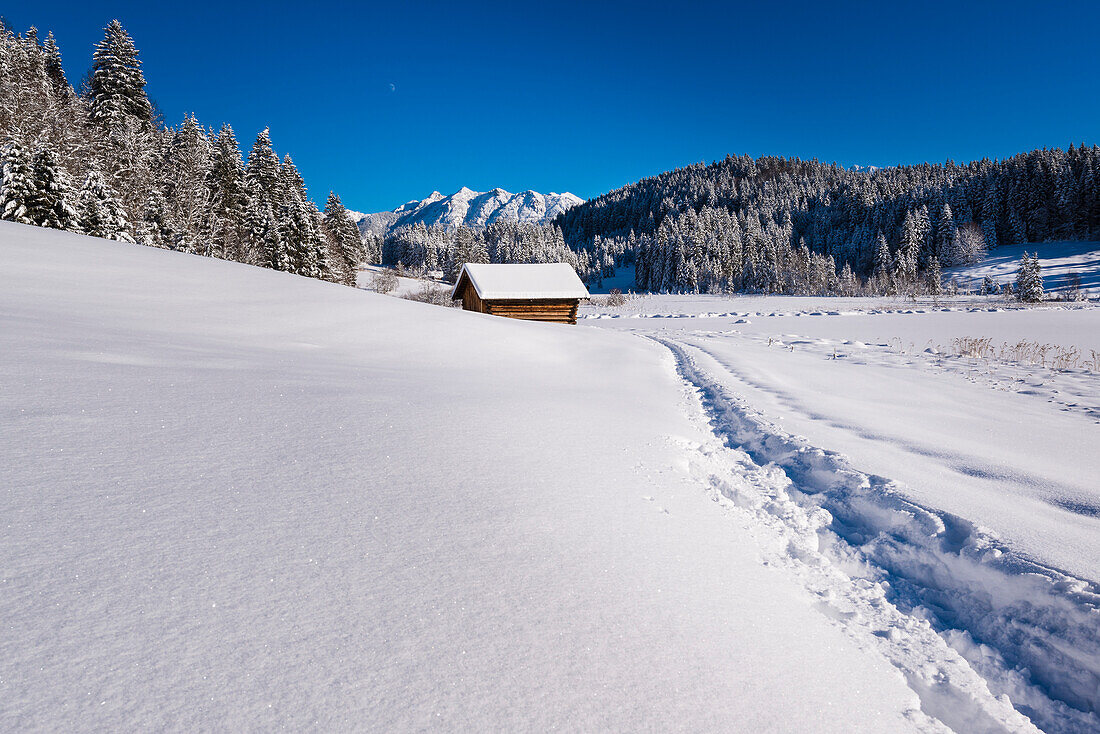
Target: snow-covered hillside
471	209
1064	265
240	499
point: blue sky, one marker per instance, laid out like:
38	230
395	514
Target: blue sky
384	103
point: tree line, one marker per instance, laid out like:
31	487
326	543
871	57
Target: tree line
98	160
420	248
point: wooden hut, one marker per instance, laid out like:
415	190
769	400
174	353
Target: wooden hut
547	292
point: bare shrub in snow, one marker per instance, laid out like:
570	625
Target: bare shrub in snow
431	293
615	298
970	246
383	281
1073	290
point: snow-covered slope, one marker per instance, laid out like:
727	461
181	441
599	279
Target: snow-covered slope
1064	265
238	499
470	208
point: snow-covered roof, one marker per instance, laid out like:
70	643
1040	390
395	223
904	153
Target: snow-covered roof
549	280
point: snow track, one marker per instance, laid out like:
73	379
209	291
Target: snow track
974	628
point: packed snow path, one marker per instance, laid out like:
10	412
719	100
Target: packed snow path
961	497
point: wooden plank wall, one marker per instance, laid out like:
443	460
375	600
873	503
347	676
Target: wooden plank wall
558	310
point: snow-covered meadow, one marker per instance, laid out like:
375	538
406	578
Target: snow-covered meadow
967	484
240	499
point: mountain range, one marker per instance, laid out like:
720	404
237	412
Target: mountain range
469	208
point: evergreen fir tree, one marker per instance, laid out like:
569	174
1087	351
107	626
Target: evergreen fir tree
344	237
228	198
52	202
117	88
1029	280
99	212
946	232
185	184
935	277
156	228
883	260
262	171
17	187
849	286
54	70
300	237
265	196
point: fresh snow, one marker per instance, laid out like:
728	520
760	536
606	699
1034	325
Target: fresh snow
240	499
543	280
966	484
470	208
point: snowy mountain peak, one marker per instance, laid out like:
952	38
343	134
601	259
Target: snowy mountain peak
470	208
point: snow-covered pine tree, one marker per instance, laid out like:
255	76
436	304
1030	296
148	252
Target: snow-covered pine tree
156	228
305	246
328	261
1029	279
52	66
849	286
117	88
935	277
51	204
905	267
99	212
17	189
883	264
262	179
1090	198
344	238
945	234
186	187
228	199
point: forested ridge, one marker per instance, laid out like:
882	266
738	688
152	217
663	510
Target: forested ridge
98	160
793	226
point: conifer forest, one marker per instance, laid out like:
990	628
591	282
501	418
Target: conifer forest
97	159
